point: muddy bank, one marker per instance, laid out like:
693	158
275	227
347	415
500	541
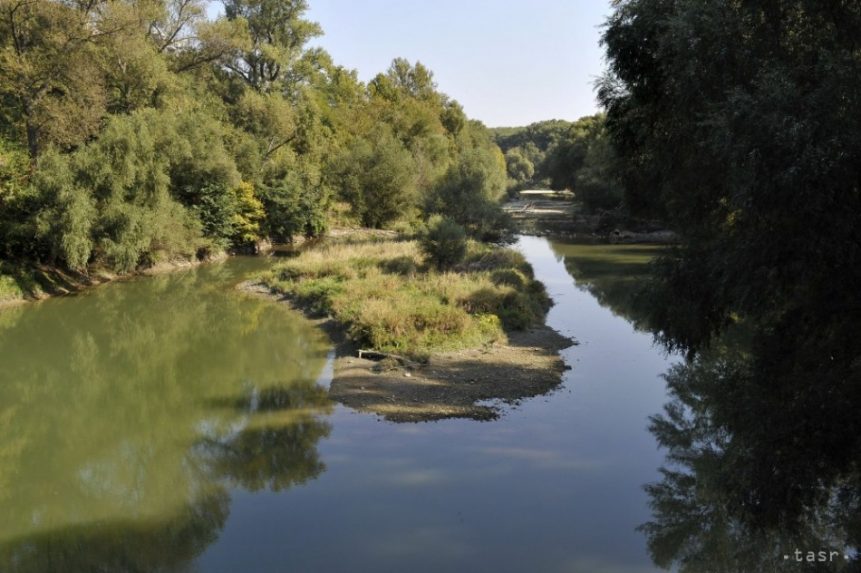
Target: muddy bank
472	383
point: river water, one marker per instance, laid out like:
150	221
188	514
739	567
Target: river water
173	423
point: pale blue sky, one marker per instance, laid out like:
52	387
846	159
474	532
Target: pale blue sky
508	63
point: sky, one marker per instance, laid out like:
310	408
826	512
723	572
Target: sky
507	62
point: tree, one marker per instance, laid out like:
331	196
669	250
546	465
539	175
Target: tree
294	206
403	79
519	168
377	177
738	122
470	192
444	244
277	34
137	131
50	85
15	206
596	184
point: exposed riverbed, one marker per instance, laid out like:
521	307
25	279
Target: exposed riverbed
174	423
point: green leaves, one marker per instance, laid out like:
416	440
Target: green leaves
155	133
377	178
470	192
735	121
277	33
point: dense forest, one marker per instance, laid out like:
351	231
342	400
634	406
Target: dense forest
135	132
738	124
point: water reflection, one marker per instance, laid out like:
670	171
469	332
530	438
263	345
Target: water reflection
122	545
277	449
758	476
610	273
128	413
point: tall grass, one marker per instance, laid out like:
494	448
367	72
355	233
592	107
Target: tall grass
388	298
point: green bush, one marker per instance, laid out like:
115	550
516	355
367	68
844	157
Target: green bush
469	192
444	244
509	277
9	289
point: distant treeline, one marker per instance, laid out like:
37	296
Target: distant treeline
138	131
559	155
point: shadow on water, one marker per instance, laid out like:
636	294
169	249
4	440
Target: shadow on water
130	413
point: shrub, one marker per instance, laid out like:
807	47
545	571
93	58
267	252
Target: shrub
444	244
378	179
510	277
9	289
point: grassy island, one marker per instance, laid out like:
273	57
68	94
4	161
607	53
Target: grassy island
387	297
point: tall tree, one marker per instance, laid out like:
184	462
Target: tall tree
50	83
278	33
738	121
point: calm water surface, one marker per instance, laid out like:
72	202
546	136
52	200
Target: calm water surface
175	424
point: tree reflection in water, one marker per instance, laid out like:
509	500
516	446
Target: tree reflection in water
755	472
762	460
274	448
278	450
129	413
123	546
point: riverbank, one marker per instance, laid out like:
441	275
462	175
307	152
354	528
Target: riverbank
20	284
444	343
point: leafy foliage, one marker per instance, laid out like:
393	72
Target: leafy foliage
132	132
754	160
556	154
470	191
377	179
736	122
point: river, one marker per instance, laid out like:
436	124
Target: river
173	423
